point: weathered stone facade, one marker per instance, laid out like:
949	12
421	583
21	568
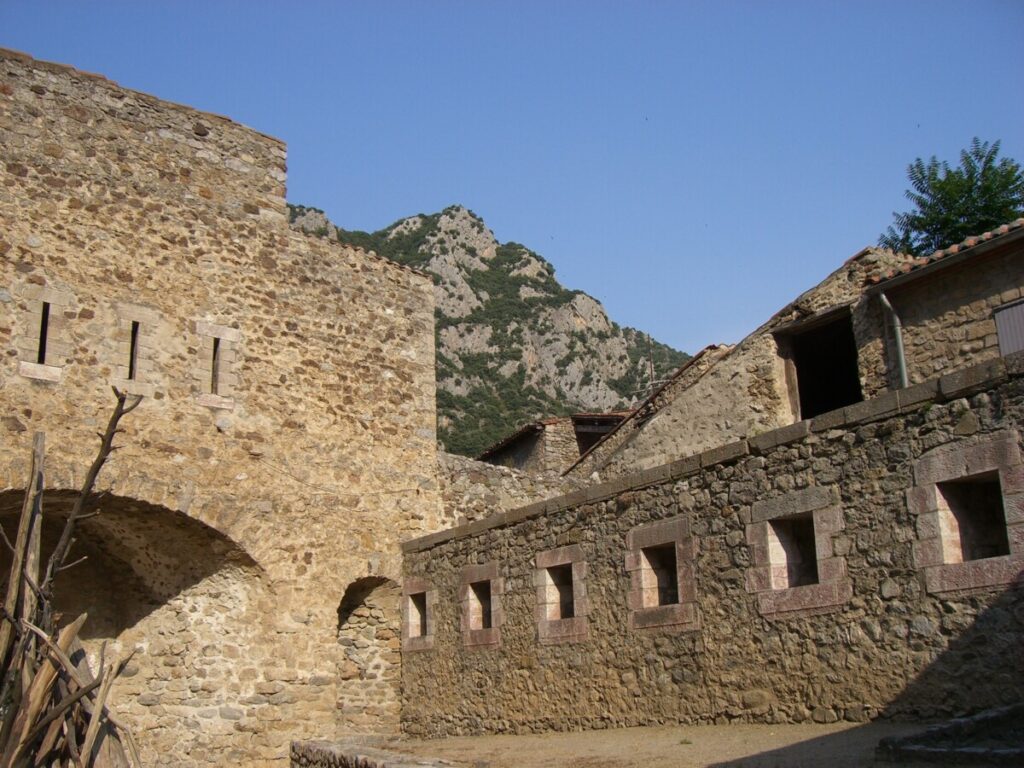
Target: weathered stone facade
857	630
724	394
473	490
286	443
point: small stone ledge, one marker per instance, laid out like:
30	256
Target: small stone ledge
354	754
950	743
956	384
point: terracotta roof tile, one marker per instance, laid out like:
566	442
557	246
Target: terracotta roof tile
923	261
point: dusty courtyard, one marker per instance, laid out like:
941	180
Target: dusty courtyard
840	745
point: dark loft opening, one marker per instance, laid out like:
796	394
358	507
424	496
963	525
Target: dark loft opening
215	366
133	351
480	595
418	615
794	537
663	586
44	327
976	506
825	359
560	578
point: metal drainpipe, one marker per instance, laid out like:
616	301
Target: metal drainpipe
897	327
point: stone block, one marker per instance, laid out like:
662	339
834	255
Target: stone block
724	454
795	503
781	436
968	380
918	394
870	410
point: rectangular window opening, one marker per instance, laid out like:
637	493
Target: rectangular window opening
44	327
480	605
824	360
972	522
560	602
215	366
418	614
659	575
791	552
133	351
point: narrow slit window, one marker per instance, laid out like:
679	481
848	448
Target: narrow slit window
44	327
215	366
133	352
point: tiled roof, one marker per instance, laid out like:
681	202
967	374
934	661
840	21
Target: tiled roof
923	261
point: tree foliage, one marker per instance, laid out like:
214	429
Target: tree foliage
952	204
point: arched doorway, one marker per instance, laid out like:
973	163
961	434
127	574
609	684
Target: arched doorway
370	669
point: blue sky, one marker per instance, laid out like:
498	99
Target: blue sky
694	166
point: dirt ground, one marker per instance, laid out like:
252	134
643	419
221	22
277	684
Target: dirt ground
841	745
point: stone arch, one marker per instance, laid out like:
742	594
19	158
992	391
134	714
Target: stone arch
370	666
180	593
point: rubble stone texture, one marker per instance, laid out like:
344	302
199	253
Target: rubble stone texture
882	644
243	502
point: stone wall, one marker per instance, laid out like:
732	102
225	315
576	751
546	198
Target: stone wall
474	490
730	393
286	442
947	317
873	619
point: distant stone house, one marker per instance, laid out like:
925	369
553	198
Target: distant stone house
551	446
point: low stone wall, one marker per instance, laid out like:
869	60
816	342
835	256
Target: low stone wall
474	490
812	581
322	754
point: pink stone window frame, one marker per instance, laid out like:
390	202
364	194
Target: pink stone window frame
571	630
682	615
491	636
998	453
834	588
416	586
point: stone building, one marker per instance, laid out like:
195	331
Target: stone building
286	443
823	522
879	322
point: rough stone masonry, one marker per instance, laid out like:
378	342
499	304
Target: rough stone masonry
286	443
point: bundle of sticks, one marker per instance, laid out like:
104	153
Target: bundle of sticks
53	707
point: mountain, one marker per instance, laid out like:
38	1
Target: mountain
513	345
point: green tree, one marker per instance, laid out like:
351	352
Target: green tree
952	204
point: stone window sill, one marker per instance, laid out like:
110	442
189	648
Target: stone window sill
682	617
216	401
482	638
421	643
557	631
40	372
953	578
808	600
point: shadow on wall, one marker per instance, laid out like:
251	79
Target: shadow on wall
137	557
983	667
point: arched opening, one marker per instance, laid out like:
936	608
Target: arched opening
179	592
370	669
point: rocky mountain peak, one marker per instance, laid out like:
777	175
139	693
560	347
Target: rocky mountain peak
513	344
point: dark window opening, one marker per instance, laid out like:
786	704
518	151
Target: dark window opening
215	366
661	577
133	351
44	328
418	614
975	522
480	605
560	598
792	552
825	359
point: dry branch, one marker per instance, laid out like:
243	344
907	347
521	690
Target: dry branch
53	711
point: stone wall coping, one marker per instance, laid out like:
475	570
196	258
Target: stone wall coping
950	386
355	753
52	66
